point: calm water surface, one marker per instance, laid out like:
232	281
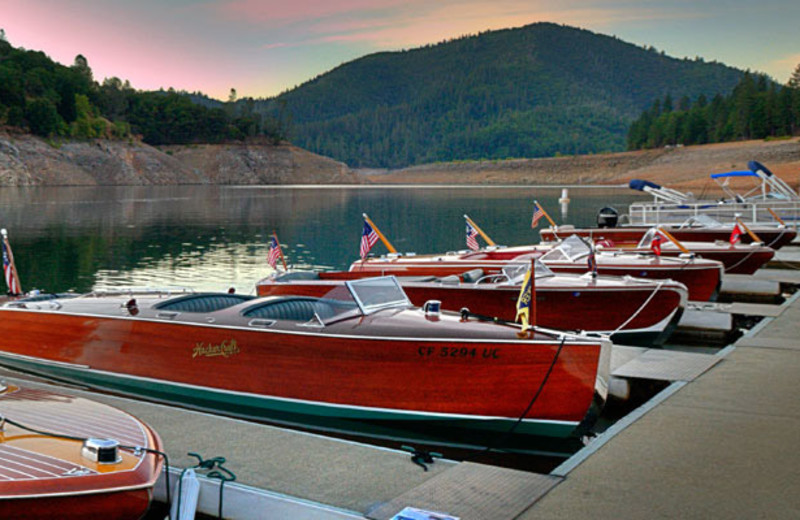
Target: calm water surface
213	237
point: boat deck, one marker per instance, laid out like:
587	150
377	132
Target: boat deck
720	441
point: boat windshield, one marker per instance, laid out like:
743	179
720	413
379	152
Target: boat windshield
516	271
374	294
572	249
701	221
647	240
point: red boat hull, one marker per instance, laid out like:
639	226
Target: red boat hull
124	505
579	307
272	374
629	237
45	476
703	279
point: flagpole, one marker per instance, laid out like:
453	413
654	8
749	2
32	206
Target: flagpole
776	217
280	250
11	262
546	215
749	231
673	240
480	231
388	244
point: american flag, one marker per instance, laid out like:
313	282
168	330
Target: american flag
9	269
274	252
472	237
655	244
368	239
736	234
538	213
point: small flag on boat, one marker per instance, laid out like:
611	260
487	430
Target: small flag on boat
538	213
472	237
368	239
655	244
274	252
736	234
524	300
9	269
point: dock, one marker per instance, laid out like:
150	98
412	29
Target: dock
718	441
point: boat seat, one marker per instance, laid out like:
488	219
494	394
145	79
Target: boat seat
293	309
450	280
472	275
297	275
204	302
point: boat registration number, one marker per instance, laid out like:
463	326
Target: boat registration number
459	352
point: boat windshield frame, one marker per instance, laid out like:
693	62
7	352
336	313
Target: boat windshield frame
572	248
515	271
701	220
389	286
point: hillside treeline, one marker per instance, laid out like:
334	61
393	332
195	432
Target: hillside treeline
50	99
535	91
757	108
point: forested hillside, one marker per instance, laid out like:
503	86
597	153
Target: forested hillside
50	99
540	90
756	109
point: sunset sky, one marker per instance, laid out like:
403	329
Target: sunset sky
262	48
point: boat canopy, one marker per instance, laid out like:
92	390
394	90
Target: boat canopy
723	175
659	192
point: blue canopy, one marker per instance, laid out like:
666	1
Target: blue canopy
756	166
733	174
640	185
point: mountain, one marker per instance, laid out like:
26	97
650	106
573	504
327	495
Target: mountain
536	91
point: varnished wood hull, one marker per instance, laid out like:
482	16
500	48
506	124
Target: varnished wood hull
629	237
633	313
46	477
336	381
702	278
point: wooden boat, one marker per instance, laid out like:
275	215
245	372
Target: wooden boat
643	312
362	361
696	229
702	277
81	472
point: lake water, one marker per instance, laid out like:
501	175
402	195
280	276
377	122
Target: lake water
215	237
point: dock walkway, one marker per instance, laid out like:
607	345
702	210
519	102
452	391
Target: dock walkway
721	446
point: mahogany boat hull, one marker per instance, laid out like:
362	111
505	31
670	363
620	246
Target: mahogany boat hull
640	314
702	278
339	381
629	237
44	477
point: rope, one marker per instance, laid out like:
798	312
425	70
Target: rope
221	473
639	310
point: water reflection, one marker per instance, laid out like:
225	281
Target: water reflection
214	237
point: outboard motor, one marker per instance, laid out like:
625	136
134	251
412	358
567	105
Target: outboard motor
607	217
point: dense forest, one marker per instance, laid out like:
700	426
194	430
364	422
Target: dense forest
539	90
757	108
50	99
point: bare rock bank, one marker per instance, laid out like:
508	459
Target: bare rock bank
679	167
26	160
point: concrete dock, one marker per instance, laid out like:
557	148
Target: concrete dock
721	444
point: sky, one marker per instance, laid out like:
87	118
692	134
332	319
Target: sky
264	47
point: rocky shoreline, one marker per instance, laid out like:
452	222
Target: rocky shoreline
26	160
